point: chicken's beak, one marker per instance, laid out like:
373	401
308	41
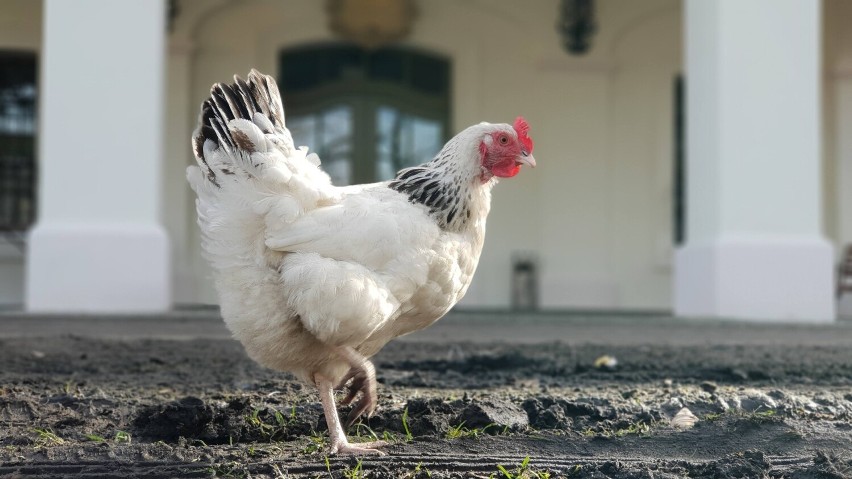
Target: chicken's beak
526	159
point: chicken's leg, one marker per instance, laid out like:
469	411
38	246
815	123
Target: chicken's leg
339	443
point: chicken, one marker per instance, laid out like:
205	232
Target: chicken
315	279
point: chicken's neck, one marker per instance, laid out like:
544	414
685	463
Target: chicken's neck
456	198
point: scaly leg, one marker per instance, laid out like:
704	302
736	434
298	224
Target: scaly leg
339	443
363	376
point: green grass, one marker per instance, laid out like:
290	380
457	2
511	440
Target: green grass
354	472
459	431
521	471
47	438
232	470
316	443
712	416
70	386
759	416
408	436
639	428
276	427
360	429
421	468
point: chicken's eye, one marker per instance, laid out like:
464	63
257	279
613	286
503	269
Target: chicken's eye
504	139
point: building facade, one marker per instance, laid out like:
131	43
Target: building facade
697	158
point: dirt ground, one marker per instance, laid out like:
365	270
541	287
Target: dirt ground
96	407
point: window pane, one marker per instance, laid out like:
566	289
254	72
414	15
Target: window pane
430	75
387	65
17	96
305	68
404	140
384	138
327	132
18	124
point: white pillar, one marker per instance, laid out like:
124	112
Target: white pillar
754	247
179	212
843	150
98	245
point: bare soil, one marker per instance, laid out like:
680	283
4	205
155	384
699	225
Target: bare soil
83	407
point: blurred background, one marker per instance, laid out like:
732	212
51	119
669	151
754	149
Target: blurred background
695	157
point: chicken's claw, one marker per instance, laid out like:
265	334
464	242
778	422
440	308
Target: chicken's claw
365	404
363	382
363	376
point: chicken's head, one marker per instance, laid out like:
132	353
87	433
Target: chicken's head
504	148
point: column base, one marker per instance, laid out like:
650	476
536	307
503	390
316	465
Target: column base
757	279
98	268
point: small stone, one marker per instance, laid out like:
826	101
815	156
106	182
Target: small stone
606	362
671	407
777	394
494	413
684	419
709	386
756	401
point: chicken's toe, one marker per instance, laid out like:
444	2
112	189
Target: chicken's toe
367	404
363	376
361	384
358	385
361	448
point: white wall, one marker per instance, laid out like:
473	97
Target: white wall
641	157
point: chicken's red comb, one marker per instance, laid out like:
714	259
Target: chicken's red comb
522	128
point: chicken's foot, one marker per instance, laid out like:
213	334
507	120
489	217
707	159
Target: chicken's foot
339	442
363	376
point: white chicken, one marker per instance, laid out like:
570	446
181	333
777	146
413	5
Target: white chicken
315	279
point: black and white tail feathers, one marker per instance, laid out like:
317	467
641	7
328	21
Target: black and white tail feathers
250	178
256	102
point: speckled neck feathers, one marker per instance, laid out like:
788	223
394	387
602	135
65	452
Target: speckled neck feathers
449	185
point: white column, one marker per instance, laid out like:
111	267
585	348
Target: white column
843	150
179	208
98	245
754	247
